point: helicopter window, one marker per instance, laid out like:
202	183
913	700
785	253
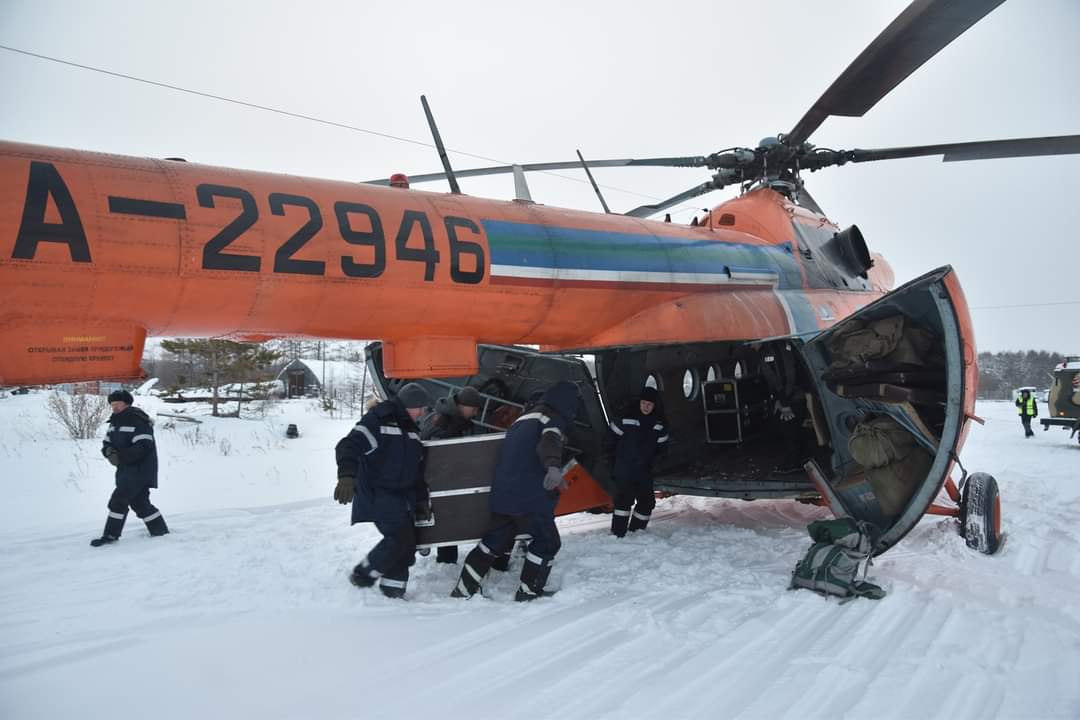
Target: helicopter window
738	370
653	382
690	384
712	373
511	363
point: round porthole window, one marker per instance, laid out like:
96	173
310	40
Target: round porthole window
690	384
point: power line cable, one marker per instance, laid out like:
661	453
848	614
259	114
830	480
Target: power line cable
1025	305
225	99
300	116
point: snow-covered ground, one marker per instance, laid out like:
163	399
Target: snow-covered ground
245	611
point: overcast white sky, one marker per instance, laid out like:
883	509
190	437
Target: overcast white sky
530	83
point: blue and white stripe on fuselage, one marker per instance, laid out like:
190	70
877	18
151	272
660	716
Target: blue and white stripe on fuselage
530	253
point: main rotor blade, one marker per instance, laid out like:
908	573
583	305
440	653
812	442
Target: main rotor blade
694	161
983	150
647	210
915	36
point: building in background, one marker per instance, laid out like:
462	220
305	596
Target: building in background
323	378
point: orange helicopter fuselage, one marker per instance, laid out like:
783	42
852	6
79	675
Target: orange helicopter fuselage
98	251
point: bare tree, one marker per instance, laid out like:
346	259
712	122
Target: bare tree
81	415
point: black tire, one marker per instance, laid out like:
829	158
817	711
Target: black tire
980	513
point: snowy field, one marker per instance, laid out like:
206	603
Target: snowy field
244	611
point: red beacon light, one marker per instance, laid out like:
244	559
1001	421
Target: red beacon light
399	180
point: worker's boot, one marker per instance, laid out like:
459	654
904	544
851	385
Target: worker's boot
639	521
477	564
392	588
363	575
534	576
619	521
155	524
114	525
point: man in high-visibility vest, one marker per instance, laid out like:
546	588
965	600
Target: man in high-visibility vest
1025	405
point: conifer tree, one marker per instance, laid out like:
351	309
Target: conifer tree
223	361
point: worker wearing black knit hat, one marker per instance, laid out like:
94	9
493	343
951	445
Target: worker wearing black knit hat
633	441
129	446
380	471
123	396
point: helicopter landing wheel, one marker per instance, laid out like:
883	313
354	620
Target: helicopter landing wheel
980	513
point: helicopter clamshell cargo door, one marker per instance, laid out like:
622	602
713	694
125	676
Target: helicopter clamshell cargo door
895	388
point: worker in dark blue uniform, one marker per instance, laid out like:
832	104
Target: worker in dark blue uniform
524	492
633	442
380	471
129	446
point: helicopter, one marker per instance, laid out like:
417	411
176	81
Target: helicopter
454	287
1063	404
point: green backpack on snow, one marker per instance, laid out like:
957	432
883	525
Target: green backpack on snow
831	566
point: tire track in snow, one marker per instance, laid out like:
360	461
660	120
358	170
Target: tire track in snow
752	643
90	650
649	658
536	647
832	670
64	649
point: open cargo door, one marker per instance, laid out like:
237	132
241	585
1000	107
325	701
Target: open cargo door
895	389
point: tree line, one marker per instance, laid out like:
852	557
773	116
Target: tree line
1002	372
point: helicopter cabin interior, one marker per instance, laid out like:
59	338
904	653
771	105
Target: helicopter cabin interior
856	414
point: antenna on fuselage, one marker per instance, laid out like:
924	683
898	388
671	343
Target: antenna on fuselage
440	147
595	187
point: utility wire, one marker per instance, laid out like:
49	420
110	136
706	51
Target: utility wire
300	116
1026	305
224	99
